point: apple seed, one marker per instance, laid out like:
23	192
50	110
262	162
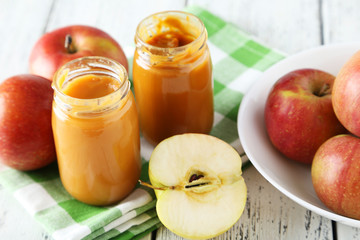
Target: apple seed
195	177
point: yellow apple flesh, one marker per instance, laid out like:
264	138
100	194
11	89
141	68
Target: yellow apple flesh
200	190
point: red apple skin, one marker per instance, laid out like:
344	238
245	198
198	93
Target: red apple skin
299	115
346	94
49	52
26	138
335	174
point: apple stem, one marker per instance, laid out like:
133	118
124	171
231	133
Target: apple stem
69	46
324	90
155	188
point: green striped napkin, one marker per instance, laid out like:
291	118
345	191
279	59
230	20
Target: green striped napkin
238	61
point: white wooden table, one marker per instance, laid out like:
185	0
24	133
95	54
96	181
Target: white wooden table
290	26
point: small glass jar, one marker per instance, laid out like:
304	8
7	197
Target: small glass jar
97	139
172	75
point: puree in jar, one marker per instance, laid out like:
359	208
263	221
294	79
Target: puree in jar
176	34
172	75
98	152
91	86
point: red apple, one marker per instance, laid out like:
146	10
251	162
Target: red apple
298	113
335	173
346	94
26	138
60	46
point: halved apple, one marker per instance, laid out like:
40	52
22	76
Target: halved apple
198	184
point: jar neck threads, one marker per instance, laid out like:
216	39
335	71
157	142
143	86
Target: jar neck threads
85	66
165	22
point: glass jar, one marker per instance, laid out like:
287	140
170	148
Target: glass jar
96	137
172	75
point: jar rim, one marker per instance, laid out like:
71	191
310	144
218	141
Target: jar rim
86	63
139	39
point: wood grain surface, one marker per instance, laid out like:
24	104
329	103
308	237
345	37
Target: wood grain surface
290	26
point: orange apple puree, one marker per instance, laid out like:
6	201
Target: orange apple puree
176	35
91	86
170	39
98	155
173	83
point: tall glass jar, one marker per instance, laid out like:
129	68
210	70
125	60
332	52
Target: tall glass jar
96	131
172	75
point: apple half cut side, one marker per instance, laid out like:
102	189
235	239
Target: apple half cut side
198	184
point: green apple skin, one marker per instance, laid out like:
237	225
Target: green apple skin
335	174
200	212
26	137
346	94
299	115
49	52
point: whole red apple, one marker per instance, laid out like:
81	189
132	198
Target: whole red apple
335	174
299	115
346	94
62	45
26	139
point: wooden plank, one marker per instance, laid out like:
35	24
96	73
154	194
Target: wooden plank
344	232
19	30
341	21
270	213
290	26
15	222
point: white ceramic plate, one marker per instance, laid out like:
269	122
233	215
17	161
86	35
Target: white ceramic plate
291	178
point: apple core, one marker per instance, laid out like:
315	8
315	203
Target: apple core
201	192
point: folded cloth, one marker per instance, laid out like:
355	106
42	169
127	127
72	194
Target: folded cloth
238	61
